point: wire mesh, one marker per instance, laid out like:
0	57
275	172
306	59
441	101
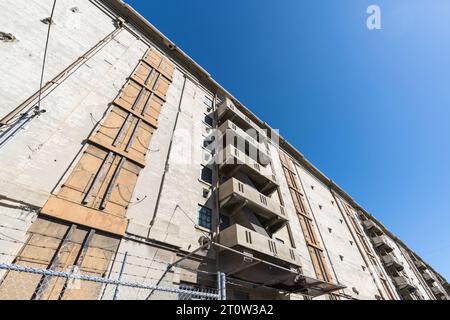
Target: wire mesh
20	282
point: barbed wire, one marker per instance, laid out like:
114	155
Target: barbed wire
162	268
182	291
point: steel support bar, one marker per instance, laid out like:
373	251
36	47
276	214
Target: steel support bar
122	268
221	286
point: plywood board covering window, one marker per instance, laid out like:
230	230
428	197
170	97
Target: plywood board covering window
305	219
59	246
141	102
124	133
156	60
100	187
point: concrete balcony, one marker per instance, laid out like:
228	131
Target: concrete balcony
382	243
438	292
420	265
232	161
392	262
258	245
403	283
235	196
256	150
371	226
428	277
228	111
254	258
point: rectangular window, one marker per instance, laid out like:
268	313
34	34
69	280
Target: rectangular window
205	217
206	175
208	101
224	222
209	120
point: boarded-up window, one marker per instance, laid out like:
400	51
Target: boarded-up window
101	185
59	246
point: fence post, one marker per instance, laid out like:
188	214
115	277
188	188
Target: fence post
221	286
122	268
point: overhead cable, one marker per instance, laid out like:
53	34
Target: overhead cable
50	23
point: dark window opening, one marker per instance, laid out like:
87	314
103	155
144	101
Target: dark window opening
209	120
207	175
224	222
205	217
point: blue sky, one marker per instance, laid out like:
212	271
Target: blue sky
371	109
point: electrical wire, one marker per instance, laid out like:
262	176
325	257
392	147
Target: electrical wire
45	55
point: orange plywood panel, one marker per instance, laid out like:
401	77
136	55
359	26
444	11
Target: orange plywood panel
76	213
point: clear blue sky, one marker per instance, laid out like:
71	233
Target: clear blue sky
371	109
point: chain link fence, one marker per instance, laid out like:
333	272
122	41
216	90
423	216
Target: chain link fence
18	282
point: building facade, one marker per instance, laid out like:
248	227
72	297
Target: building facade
131	147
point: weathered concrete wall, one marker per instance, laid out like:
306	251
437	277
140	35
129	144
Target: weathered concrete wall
147	188
368	252
408	270
347	263
35	160
74	32
145	265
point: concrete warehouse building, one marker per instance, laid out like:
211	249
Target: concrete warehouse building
132	147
